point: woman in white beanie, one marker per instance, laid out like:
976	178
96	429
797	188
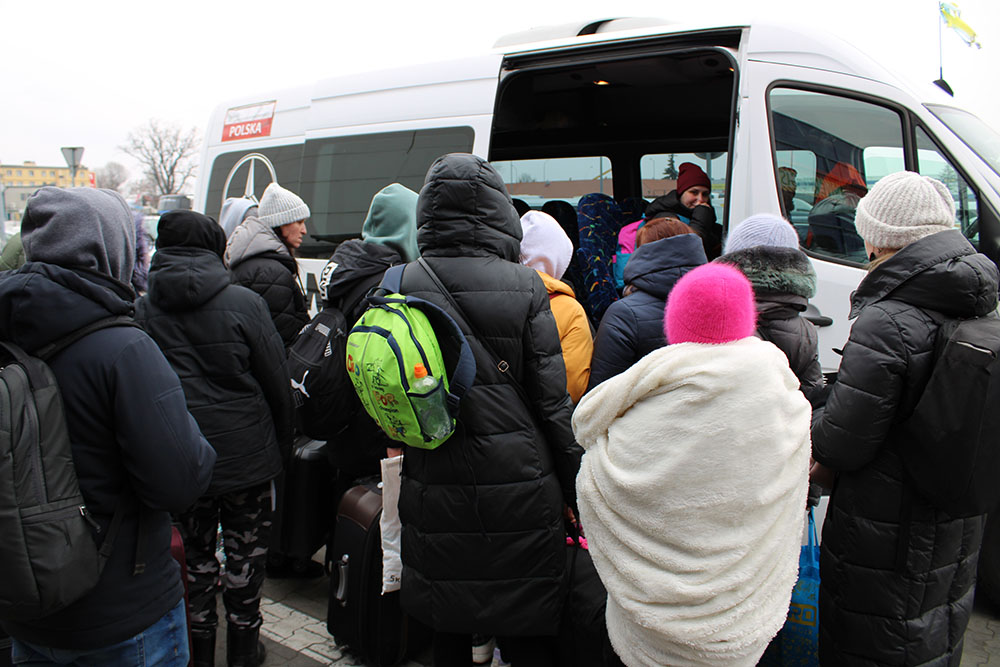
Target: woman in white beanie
261	255
897	574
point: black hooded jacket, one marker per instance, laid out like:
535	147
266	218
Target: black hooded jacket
701	219
783	281
873	611
220	340
483	540
358	267
632	327
133	442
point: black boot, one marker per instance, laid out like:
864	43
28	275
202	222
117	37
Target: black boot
243	649
203	647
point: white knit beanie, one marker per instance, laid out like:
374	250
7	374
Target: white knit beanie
902	208
279	207
762	229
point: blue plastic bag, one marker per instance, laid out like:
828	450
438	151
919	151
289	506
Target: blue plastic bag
800	635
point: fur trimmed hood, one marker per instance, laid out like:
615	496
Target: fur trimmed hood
775	270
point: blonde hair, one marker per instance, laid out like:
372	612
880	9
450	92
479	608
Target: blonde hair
879	261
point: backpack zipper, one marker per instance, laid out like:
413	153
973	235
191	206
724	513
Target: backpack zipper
62	513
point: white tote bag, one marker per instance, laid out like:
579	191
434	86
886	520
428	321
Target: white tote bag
392	529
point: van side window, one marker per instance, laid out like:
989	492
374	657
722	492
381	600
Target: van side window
537	181
930	162
833	149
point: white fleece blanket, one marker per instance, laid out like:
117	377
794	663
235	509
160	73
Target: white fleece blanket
692	492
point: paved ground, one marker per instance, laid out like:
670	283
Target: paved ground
295	633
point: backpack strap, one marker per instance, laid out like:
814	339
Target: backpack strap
464	373
46	352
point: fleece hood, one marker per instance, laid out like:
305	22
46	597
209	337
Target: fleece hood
250	239
464	210
392	221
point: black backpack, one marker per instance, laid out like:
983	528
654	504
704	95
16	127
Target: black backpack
48	555
950	446
324	395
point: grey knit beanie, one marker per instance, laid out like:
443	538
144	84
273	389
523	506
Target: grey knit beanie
762	229
902	208
279	207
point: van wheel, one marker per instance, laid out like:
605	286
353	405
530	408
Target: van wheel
989	560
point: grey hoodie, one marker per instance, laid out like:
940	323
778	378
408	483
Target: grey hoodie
234	211
80	228
252	238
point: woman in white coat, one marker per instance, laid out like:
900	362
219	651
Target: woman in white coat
694	481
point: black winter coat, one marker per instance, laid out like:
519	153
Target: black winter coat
483	539
131	436
632	327
783	281
875	610
701	219
259	261
220	340
358	448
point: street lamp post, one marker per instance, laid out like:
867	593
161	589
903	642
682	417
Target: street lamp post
73	155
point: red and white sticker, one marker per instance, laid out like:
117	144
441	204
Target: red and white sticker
248	121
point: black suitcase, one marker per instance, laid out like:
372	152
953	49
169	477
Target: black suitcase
371	625
305	501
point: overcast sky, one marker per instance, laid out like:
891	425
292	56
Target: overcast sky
85	74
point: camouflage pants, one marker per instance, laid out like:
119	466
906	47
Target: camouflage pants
246	530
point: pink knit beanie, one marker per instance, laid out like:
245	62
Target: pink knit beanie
713	303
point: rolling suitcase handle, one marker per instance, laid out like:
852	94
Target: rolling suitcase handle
343	568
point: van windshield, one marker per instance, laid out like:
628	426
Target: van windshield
976	134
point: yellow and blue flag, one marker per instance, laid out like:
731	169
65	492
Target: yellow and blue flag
952	17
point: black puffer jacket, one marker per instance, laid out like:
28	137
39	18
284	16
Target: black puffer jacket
354	268
873	611
131	435
783	281
221	342
632	327
701	219
259	261
483	540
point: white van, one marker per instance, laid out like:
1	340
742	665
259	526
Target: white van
785	121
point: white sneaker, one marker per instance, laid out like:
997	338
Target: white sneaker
482	649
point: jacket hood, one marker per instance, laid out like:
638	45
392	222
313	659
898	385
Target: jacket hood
392	221
183	278
190	229
774	270
554	286
464	210
668	203
80	228
234	211
40	302
354	261
654	267
941	272
252	238
544	245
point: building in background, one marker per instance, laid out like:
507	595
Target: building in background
18	181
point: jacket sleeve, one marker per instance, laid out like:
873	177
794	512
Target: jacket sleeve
163	450
269	367
614	348
578	350
864	400
545	383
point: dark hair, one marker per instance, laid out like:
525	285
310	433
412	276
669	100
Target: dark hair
660	228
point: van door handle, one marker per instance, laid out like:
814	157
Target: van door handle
819	319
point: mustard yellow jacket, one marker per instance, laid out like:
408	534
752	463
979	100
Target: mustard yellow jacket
574	334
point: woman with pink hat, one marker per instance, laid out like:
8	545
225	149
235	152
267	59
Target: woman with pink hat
693	483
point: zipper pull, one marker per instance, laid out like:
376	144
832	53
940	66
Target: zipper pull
89	519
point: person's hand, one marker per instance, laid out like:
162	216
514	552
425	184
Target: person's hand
392	452
820	474
568	513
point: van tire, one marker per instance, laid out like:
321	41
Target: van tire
988	583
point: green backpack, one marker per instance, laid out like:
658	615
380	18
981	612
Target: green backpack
391	348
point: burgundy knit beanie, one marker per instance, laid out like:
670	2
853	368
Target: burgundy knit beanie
690	175
713	303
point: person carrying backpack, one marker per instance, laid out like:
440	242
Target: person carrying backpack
134	444
897	572
483	541
242	404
